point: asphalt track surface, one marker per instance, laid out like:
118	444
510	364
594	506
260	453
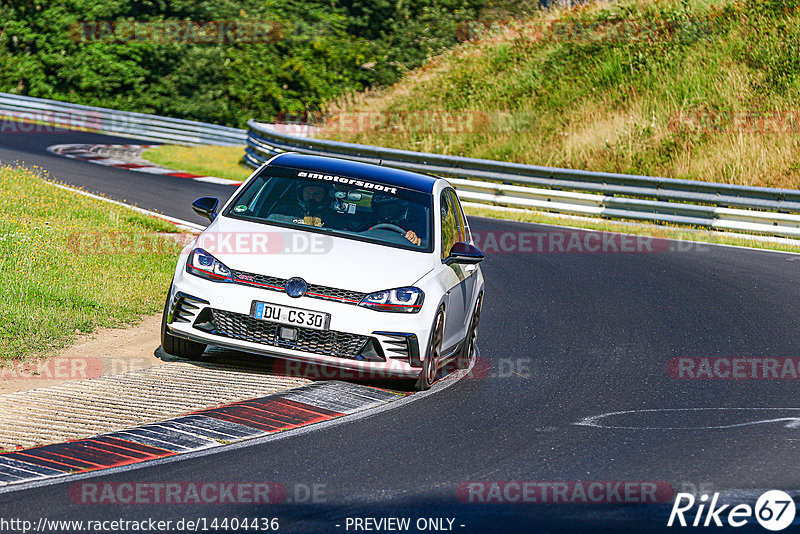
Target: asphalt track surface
567	337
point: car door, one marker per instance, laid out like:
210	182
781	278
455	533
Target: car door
470	280
454	275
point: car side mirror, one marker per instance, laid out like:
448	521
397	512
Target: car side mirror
206	207
464	253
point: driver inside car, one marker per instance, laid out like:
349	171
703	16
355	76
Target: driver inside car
310	206
389	210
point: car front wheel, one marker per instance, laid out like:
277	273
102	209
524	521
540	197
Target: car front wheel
462	361
428	374
175	346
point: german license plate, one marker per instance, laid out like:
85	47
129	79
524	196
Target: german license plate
290	316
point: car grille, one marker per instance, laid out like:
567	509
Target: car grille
314	291
325	342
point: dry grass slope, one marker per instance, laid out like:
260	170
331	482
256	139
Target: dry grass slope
694	89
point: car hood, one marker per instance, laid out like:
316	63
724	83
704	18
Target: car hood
317	258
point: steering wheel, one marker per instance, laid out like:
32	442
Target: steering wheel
389	226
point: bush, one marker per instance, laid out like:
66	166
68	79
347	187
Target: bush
324	49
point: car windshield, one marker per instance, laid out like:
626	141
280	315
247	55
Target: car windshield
354	208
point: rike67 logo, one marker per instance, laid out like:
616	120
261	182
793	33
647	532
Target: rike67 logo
774	510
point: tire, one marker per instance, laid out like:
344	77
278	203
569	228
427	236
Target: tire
462	361
175	346
429	369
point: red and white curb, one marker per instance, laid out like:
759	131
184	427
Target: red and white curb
89	153
206	429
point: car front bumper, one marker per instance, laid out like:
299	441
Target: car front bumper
399	338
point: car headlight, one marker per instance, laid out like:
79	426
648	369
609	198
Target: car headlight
400	300
201	263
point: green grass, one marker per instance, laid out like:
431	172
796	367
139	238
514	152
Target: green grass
70	264
219	161
673	99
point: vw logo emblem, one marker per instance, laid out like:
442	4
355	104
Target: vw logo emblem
296	287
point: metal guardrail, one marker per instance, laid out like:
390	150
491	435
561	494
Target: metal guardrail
720	206
31	111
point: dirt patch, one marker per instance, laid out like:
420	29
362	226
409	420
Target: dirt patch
108	351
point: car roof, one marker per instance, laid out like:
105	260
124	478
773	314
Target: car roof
355	169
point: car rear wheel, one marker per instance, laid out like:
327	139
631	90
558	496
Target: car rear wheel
462	361
175	346
429	369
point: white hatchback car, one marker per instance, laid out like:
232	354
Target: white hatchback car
338	263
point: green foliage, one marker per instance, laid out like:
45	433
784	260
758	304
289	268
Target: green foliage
773	33
323	49
408	33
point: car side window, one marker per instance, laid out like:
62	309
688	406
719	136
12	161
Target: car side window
461	221
449	224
